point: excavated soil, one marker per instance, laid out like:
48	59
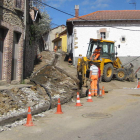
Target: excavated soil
49	84
51	79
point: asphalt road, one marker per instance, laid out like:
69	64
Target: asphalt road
114	117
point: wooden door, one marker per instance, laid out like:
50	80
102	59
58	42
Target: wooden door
1	51
15	56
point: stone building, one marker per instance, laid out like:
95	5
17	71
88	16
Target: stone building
11	40
51	35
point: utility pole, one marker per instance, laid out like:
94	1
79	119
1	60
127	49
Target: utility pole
134	4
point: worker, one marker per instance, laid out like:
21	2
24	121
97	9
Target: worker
96	53
94	78
70	61
70	58
55	48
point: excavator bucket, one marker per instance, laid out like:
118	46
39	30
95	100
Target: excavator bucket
130	76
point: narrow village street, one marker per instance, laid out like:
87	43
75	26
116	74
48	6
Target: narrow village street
115	116
69	70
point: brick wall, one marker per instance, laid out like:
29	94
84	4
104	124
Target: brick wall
12	21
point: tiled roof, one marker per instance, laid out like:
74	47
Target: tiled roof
110	15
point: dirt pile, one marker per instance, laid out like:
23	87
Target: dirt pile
49	83
47	58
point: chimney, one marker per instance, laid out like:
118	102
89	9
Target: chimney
76	10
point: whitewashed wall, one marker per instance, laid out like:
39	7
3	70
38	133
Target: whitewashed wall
127	52
46	38
69	42
131	47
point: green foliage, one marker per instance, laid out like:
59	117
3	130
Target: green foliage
43	26
38	29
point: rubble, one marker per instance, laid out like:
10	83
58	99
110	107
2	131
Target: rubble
57	83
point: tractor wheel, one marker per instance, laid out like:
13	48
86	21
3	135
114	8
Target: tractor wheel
121	74
108	72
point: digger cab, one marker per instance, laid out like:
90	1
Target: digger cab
107	49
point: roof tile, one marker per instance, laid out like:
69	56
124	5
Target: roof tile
109	15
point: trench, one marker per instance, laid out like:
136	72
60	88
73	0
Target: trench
37	80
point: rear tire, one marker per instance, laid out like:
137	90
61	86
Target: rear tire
121	74
108	72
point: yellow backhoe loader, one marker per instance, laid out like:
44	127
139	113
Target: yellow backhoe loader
108	62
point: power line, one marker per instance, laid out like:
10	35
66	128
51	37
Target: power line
82	18
55	24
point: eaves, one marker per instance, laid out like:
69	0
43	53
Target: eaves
57	39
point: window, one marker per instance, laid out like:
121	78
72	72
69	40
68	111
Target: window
123	39
18	3
112	49
105	48
103	35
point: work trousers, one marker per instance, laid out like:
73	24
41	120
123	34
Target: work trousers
93	85
98	87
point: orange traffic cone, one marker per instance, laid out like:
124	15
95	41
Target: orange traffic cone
100	93
29	118
59	111
78	100
138	86
89	97
103	91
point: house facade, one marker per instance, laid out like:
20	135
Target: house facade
61	41
51	35
121	26
11	40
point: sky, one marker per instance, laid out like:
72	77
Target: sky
85	7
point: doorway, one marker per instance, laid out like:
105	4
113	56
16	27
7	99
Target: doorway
15	55
1	50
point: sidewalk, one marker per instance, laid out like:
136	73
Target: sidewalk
7	87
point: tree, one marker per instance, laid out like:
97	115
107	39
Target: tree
38	29
43	26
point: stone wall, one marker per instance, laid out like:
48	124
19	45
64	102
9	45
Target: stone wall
30	48
11	20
